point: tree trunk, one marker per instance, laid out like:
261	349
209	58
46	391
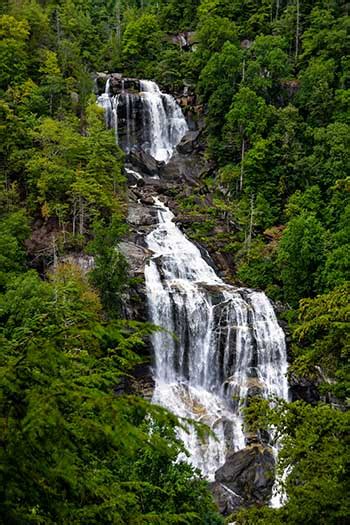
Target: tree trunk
81	216
250	231
54	252
118	19
277	9
242	166
297	29
74	220
58	27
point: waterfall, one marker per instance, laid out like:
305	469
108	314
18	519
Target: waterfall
220	344
115	104
163	124
128	120
105	101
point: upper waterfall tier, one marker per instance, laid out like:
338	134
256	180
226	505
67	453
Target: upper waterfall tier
143	116
220	345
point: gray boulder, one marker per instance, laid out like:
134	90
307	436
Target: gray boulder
143	163
135	255
141	215
226	500
185	168
188	142
249	473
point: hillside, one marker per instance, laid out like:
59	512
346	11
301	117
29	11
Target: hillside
256	172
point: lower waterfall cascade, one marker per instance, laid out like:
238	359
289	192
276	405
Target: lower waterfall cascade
227	343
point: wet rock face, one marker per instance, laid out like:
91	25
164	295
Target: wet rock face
131	117
249	473
117	83
142	382
144	163
226	500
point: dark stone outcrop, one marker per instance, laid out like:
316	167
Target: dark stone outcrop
143	163
136	256
291	86
304	389
246	43
188	168
100	79
141	219
133	177
249	473
141	215
142	382
84	262
226	500
119	83
189	142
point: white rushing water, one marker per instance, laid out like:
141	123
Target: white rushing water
106	102
163	122
227	343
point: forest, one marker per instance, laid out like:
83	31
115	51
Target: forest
271	81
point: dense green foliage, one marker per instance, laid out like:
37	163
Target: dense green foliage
272	79
72	450
315	445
